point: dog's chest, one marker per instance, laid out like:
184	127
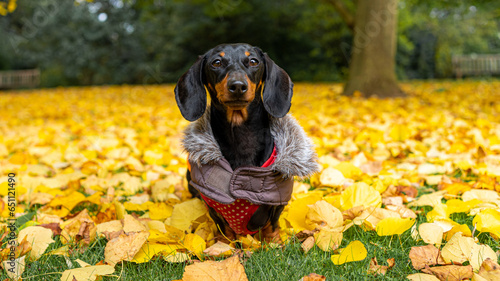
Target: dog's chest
246	147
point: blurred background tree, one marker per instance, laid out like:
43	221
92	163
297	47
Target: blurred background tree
155	41
373	53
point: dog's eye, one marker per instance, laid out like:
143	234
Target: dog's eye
254	62
216	63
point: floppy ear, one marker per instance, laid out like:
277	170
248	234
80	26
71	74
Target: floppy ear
278	89
190	93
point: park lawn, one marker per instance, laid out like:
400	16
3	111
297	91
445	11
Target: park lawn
94	155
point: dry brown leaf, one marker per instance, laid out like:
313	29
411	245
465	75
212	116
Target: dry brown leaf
71	227
313	277
375	268
110	229
87	233
450	272
22	248
423	256
305	234
124	247
227	270
56	229
308	244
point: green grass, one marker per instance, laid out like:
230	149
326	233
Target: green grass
286	264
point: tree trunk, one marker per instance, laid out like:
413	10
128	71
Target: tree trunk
372	65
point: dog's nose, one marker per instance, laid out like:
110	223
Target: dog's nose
237	86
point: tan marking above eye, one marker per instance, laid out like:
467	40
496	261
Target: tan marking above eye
247	53
222	54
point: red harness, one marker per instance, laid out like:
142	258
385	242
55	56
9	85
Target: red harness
238	213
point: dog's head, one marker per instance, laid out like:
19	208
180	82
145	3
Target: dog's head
234	75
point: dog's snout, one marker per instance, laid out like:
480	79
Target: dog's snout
237	86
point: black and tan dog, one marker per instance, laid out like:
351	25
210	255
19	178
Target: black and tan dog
244	150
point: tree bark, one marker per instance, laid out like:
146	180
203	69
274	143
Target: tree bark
373	55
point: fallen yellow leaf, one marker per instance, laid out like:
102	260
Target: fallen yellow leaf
38	238
186	212
323	215
14	268
431	233
393	226
124	247
488	220
355	251
88	273
149	250
359	194
195	244
328	240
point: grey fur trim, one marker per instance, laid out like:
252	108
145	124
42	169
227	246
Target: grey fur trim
295	151
296	155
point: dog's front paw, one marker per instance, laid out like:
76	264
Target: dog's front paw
269	234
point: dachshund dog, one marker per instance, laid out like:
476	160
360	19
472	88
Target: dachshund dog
247	92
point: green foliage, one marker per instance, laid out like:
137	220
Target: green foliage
440	29
114	42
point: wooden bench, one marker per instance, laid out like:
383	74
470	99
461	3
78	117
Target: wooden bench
476	65
19	79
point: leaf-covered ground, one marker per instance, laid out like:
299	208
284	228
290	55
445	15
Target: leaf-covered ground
409	187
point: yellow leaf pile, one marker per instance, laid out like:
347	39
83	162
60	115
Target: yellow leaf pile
107	162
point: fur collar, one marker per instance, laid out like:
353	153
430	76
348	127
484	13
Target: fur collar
296	155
